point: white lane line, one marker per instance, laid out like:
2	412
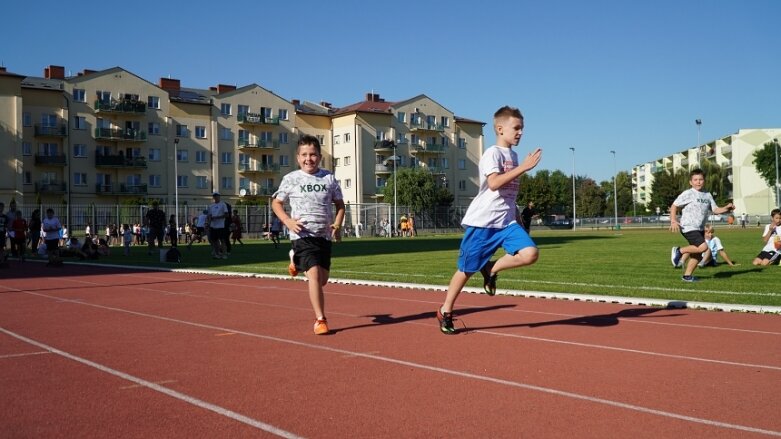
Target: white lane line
494	333
27	354
452	372
158	388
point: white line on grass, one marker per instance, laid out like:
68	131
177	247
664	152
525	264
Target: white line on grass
405	363
158	388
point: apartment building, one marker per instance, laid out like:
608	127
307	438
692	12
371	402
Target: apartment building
735	153
109	136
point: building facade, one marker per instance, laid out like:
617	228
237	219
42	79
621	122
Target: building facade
109	136
735	153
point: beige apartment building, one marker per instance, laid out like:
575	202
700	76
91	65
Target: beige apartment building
109	136
734	152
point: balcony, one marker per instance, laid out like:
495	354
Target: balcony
250	168
384	145
50	160
726	150
122	106
119	161
260	144
424	126
51	131
118	134
120	189
428	148
259	191
382	169
256	119
50	187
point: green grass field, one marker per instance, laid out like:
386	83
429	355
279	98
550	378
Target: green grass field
634	263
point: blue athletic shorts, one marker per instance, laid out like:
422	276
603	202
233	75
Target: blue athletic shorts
479	244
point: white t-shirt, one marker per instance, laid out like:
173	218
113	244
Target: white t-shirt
311	199
51	227
775	234
695	207
494	209
215	210
715	247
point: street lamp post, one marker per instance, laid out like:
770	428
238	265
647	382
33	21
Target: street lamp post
775	153
574	215
176	184
394	158
615	190
699	123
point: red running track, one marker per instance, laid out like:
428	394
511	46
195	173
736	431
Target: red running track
101	352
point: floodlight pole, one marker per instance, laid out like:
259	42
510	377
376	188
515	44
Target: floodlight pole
176	185
775	153
615	190
574	215
395	187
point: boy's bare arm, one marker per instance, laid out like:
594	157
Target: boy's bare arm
674	226
729	207
497	180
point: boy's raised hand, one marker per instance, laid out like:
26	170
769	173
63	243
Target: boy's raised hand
532	159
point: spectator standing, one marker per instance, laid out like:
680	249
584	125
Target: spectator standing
35	230
155	221
51	229
218	213
19	241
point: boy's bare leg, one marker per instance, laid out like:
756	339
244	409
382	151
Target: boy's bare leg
317	277
524	257
457	283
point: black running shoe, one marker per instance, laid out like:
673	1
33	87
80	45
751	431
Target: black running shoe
445	322
489	280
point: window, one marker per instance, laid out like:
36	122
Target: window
200	156
154	129
432	163
154	180
380	182
432	140
226	158
102	150
200	131
135	152
153	102
347	161
48	120
380	135
266	136
445	142
347	138
79	150
445	121
243	137
104	96
401	116
461	164
48	149
182	155
283	138
201	182
243	110
244	183
79	95
348	183
445	163
27	148
225	109
226	183
102	123
28	177
337	139
225	133
282	114
79	178
401	138
414	139
182	131
265	111
462	185
284	160
336	162
154	154
431	121
461	142
181	181
27	119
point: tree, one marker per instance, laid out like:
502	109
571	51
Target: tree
416	189
590	198
765	163
666	188
717	182
624	187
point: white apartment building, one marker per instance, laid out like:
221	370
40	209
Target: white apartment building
734	152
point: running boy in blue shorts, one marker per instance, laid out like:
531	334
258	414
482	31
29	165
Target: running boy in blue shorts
490	220
313	194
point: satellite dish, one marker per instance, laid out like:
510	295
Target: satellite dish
242	192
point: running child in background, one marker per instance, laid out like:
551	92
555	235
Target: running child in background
695	205
312	193
771	252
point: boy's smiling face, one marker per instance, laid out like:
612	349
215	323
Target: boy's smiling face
697	181
308	158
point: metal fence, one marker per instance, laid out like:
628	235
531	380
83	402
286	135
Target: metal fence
373	219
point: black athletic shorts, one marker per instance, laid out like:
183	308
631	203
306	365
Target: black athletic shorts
695	237
770	256
310	252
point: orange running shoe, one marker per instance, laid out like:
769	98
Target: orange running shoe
321	326
292	267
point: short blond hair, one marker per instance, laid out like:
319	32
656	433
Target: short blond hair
505	113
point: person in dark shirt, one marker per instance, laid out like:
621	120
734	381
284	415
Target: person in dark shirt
155	221
527	214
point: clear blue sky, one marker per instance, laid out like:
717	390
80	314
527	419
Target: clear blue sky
594	75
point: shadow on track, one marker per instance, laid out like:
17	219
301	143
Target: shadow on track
388	319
